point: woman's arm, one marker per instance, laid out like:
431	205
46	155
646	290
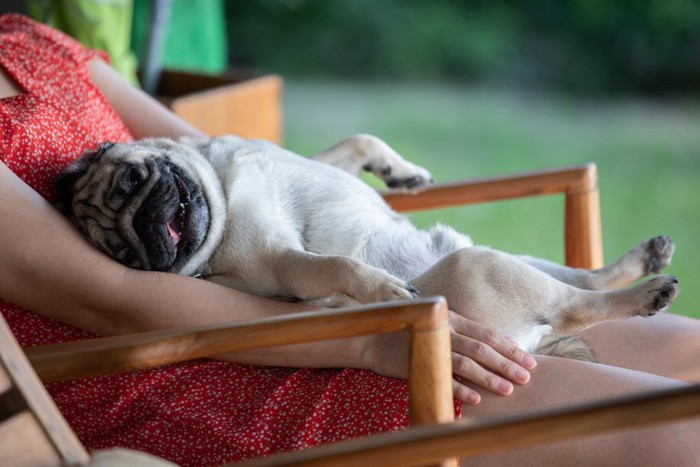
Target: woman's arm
143	115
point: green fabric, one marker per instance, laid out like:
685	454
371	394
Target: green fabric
195	38
97	24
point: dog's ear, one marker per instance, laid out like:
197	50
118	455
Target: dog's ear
65	182
160	143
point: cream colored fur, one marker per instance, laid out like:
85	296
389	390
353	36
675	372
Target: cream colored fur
290	227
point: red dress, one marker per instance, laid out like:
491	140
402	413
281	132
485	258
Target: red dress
194	413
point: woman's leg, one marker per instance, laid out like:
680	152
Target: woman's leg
563	382
665	344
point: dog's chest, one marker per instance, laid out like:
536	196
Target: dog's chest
281	197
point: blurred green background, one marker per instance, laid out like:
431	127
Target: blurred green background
479	88
581	46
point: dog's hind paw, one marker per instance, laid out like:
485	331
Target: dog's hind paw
662	290
659	251
665	294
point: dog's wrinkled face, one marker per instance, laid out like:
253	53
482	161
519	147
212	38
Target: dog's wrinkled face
135	204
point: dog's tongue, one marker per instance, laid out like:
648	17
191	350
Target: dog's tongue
174	234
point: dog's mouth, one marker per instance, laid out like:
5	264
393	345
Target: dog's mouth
171	222
176	225
186	226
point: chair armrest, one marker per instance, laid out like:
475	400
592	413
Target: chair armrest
579	184
426	320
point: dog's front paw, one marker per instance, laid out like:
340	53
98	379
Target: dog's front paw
379	286
387	164
659	251
400	173
390	290
662	290
380	291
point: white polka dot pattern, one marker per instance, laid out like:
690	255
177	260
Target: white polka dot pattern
60	113
195	413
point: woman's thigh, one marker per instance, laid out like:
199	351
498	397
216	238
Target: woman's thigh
665	344
560	382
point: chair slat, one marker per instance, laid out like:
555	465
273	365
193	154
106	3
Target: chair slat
25	384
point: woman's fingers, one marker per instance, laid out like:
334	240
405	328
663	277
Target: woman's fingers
484	358
465	393
471	352
470	371
493	339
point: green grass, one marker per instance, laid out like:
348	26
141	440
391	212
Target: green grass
648	156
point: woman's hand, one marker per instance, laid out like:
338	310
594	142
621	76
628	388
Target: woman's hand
481	357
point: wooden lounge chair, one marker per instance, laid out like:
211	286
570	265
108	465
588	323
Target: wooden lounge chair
32	432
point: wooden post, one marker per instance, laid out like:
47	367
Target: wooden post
430	371
582	231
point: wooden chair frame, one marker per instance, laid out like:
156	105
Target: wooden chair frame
434	436
579	185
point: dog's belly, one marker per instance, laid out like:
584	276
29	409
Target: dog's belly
407	252
328	210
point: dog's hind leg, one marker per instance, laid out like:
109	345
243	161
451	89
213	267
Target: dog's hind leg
649	257
500	291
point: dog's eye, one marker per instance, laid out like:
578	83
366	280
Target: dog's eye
134	179
130	179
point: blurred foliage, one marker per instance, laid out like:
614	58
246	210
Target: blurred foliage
582	46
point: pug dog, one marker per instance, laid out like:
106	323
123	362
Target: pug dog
253	216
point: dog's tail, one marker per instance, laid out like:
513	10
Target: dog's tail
573	347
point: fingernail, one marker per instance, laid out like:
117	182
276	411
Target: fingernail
506	387
522	375
473	398
529	361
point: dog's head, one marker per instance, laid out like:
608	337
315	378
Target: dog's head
146	204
